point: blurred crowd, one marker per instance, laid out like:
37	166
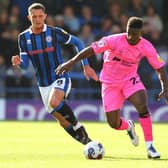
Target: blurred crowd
89	20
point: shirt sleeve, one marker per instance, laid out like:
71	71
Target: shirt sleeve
63	36
102	45
23	53
66	38
153	57
78	46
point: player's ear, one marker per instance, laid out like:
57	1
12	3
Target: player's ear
45	15
28	17
141	32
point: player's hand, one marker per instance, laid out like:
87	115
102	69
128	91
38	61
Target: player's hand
16	60
65	67
163	94
90	73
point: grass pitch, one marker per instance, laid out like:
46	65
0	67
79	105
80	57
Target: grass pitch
46	145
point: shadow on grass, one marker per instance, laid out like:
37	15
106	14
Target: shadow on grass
131	158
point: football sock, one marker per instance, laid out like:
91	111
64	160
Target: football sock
148	144
83	136
68	114
80	134
72	132
76	130
123	124
146	124
77	126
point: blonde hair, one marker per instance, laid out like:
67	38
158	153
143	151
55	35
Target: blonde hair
36	6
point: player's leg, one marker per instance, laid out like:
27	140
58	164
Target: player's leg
119	123
115	121
113	99
63	113
139	100
70	123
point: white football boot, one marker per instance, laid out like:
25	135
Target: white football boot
152	153
132	134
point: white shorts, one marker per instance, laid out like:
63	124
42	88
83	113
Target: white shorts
61	83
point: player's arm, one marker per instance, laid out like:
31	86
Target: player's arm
66	38
164	83
96	48
88	71
79	46
159	65
21	60
16	60
85	53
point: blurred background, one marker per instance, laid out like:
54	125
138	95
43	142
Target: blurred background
89	20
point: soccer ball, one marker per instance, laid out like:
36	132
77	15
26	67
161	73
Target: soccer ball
94	150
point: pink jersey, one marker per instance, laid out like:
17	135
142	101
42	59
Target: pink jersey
121	59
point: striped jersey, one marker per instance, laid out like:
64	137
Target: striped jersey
44	51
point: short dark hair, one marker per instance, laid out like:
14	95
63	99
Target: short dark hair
36	6
135	22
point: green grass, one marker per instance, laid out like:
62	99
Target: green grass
46	145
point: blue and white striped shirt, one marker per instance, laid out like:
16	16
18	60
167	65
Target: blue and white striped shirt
44	51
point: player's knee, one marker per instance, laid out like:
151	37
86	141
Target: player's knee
142	107
54	103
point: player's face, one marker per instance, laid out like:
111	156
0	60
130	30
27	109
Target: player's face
133	36
37	18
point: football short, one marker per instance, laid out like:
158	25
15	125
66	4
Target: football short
114	94
61	83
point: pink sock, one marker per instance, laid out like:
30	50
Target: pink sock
146	125
124	124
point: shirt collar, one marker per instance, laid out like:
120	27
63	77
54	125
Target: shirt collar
44	29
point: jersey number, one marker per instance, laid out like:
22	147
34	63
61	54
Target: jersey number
59	82
134	80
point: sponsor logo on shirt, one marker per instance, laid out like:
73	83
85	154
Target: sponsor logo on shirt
48	49
123	62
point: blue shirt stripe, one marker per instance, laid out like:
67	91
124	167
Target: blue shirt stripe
38	61
47	66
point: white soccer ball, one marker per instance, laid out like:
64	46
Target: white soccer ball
94	150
